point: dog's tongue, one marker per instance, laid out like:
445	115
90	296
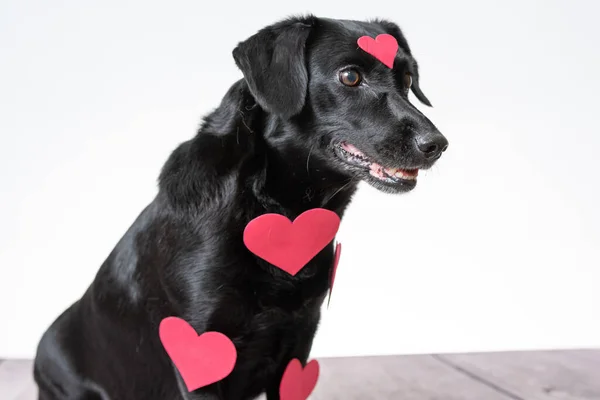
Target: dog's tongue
352	149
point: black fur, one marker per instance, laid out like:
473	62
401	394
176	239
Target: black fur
272	146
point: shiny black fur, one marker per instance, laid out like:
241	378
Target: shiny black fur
268	148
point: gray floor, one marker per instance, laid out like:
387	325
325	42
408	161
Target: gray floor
547	375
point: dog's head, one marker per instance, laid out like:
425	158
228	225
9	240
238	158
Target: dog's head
348	108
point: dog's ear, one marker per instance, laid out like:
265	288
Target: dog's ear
416	89
394	30
274	65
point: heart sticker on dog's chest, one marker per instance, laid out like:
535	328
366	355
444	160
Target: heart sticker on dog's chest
384	48
298	383
291	245
200	359
336	261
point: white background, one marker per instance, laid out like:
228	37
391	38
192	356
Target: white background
496	249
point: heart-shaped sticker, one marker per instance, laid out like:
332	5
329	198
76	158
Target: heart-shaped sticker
200	359
298	383
336	261
384	48
291	245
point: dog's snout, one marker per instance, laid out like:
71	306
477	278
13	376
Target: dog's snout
431	145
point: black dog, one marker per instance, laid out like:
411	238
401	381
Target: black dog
313	116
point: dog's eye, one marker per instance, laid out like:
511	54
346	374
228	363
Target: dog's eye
350	77
407	80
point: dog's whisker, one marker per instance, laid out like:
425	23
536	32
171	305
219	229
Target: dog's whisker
351	180
308	158
244	121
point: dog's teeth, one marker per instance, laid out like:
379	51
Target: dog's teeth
376	170
399	173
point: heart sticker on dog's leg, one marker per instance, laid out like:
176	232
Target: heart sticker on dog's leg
200	359
291	245
384	48
298	383
336	261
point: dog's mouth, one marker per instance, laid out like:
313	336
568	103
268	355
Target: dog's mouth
352	156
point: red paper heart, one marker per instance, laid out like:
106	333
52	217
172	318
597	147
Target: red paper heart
291	245
298	383
201	360
384	47
336	261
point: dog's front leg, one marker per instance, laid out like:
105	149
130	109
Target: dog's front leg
211	392
301	352
273	392
200	395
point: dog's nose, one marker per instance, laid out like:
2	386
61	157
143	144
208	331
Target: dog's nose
432	145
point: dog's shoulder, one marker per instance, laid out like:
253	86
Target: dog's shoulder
207	168
201	170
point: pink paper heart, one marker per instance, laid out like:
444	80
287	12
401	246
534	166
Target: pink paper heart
298	383
291	245
201	360
384	47
336	261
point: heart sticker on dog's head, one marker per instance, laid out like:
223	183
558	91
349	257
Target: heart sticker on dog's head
384	48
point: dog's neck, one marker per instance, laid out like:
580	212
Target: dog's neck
298	182
264	152
294	179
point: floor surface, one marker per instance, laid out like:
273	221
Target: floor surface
544	375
